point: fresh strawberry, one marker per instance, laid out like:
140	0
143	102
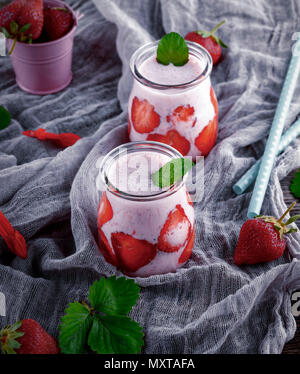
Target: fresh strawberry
10	13
174	139
261	239
207	138
143	116
105	212
27	337
32	13
57	22
175	232
106	249
209	41
23	21
183	114
186	254
132	253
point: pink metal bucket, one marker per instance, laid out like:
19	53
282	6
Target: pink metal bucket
45	68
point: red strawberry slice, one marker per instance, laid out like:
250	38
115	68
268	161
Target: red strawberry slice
207	138
143	116
106	249
132	253
174	139
183	114
176	231
105	212
185	255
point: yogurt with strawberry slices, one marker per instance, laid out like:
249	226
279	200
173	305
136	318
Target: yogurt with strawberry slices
143	230
175	105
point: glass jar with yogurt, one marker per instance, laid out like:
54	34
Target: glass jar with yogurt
143	230
175	105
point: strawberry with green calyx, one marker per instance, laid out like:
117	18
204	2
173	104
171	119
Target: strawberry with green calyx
209	41
26	23
27	337
261	239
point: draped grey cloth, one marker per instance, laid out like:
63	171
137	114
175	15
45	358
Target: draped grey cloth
210	305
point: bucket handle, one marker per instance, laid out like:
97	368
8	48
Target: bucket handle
78	15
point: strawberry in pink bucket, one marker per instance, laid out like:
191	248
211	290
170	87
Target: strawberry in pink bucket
40	38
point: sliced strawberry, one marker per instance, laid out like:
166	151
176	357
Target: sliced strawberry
105	212
175	232
183	114
143	116
207	138
185	255
132	253
106	249
214	100
174	139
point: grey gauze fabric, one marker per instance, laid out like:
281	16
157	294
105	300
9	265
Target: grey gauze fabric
210	305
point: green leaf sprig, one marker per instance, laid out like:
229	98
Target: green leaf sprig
103	325
172	48
5	118
172	172
295	185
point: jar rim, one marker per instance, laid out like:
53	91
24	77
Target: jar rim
139	146
195	50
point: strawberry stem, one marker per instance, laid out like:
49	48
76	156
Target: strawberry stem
286	212
218	26
13	46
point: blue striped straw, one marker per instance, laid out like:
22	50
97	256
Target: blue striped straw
273	141
248	178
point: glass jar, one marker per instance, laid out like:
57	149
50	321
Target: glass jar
143	229
173	105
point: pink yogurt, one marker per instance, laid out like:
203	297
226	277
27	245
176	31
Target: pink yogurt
144	230
175	105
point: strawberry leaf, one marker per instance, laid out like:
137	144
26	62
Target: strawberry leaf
25	28
74	328
295	185
114	296
172	48
6	33
172	172
5	118
115	334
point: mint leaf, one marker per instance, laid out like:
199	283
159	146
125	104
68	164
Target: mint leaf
74	328
115	334
295	185
172	48
114	296
5	118
172	172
